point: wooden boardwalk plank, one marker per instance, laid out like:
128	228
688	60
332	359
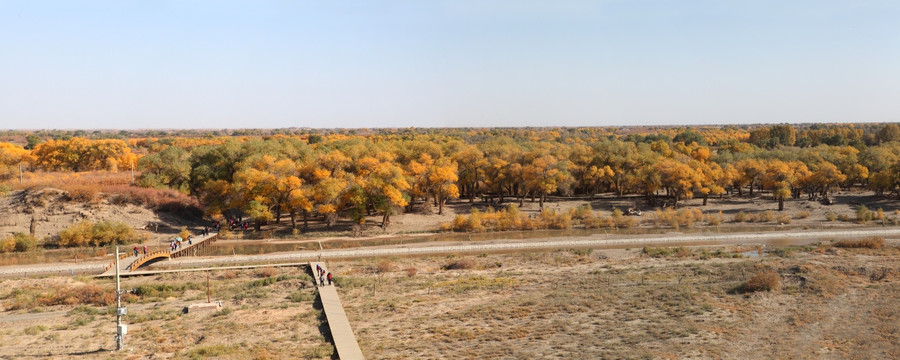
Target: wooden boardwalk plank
341	332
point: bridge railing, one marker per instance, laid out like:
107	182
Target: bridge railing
113	263
194	248
158	254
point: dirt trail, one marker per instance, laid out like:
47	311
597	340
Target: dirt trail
497	245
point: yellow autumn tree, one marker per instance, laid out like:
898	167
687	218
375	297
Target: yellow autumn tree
442	182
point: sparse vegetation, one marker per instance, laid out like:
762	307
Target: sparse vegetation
463	264
18	242
765	280
100	233
868	243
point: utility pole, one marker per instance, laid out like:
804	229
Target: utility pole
20	173
121	330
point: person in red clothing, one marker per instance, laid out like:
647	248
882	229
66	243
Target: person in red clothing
329	278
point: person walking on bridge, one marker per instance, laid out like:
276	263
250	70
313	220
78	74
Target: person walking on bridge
145	249
328	278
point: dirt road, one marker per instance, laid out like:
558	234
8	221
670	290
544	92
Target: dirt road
597	240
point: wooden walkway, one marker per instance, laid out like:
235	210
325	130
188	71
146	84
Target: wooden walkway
341	332
128	262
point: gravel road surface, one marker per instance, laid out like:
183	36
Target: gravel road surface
499	245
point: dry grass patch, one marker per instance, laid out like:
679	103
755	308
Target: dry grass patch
867	243
766	280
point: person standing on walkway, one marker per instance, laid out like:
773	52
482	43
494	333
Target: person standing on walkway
329	278
135	251
321	279
145	249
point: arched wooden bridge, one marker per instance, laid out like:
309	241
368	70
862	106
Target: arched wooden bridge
198	247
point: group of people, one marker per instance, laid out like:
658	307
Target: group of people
323	276
237	224
137	251
175	244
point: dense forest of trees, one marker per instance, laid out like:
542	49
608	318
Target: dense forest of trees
265	174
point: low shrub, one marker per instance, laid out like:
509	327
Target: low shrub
876	242
7	245
863	215
34	330
267	272
582	212
830	216
715	219
463	264
210	351
766	280
385	266
19	242
89	294
410	271
740	217
556	220
267	281
101	233
162	290
676	219
803	214
656	252
784	219
301	296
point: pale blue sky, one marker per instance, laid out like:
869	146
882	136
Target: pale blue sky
264	64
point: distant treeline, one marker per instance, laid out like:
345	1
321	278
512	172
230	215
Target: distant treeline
262	174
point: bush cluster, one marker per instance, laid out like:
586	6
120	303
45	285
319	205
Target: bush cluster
616	220
757	217
89	294
509	219
19	242
876	242
463	264
684	217
864	215
784	219
766	280
512	219
101	233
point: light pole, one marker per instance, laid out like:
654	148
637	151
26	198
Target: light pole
121	329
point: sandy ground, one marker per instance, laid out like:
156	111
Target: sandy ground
259	320
617	304
53	213
567	303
